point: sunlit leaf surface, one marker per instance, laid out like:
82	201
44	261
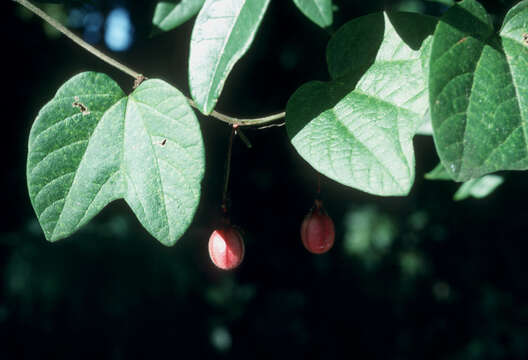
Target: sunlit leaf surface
358	129
222	33
91	145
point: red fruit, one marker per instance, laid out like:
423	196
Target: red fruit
317	230
226	248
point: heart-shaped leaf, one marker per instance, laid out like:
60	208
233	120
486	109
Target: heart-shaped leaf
319	11
479	91
222	33
169	15
363	137
91	145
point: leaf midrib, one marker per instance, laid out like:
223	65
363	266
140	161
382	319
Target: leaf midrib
77	169
337	119
517	98
157	168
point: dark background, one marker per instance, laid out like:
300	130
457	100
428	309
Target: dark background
416	277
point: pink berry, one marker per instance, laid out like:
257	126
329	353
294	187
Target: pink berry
226	248
317	230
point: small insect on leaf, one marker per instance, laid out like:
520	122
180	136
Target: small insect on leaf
161	143
462	40
79	105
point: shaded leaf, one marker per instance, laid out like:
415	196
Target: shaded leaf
68	2
363	137
222	33
91	145
169	15
478	188
479	91
445	2
353	48
438	173
319	11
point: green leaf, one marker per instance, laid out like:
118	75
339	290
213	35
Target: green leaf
91	145
478	188
427	127
169	15
222	33
353	48
438	173
68	2
362	136
445	2
479	91
319	11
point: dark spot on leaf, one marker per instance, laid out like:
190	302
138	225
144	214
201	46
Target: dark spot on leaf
163	142
79	105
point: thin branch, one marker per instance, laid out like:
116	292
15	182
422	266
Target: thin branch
35	10
248	122
137	76
225	207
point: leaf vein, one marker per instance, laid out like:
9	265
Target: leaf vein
53	152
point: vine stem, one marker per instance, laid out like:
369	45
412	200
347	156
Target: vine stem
228	170
37	11
136	75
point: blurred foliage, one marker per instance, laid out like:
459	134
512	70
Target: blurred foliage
417	277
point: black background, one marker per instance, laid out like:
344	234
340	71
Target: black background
449	283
